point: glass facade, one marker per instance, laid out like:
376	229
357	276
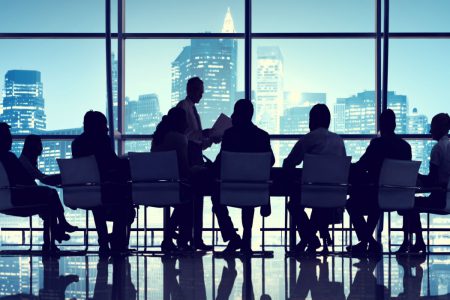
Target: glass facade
286	56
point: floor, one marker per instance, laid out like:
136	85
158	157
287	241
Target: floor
211	277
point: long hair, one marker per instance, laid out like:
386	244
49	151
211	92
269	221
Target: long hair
30	147
175	120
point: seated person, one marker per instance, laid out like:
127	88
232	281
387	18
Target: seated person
243	136
438	176
116	172
45	200
363	199
318	141
169	135
32	149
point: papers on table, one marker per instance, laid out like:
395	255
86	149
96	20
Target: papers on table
222	123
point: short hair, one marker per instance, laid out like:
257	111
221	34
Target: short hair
243	108
320	116
387	121
93	120
192	84
442	121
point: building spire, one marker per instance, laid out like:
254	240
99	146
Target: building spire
228	24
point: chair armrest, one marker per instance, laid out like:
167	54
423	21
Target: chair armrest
330	184
245	181
86	184
399	187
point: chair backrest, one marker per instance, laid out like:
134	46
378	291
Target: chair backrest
245	179
397	184
5	192
155	178
325	180
81	182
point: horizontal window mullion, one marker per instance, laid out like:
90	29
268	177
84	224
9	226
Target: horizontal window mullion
315	35
419	35
205	35
52	35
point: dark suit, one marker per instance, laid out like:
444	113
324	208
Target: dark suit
115	170
243	138
363	200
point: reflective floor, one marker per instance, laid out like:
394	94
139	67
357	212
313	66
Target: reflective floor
209	277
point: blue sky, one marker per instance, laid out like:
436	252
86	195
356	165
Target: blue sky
73	71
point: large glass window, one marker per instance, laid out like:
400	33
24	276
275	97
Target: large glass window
53	69
26	16
172	16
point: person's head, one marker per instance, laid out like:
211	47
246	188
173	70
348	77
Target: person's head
194	89
440	125
243	112
5	137
95	123
387	122
319	117
175	120
32	146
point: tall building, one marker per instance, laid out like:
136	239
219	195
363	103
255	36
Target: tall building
418	124
269	88
23	103
356	114
399	104
214	61
142	115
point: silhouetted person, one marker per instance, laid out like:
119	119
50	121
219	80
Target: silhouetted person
243	136
95	141
169	135
32	149
55	285
45	200
438	176
364	176
198	140
319	141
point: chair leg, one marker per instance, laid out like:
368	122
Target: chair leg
285	224
86	232
389	232
145	228
263	233
428	233
137	227
30	226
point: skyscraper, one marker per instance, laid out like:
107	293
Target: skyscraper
399	104
23	104
356	114
418	124
269	88
214	61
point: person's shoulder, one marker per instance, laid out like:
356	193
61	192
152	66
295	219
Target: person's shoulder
182	103
260	131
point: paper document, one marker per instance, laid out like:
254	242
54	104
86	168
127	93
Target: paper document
222	123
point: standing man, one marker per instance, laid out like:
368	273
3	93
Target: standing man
198	140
